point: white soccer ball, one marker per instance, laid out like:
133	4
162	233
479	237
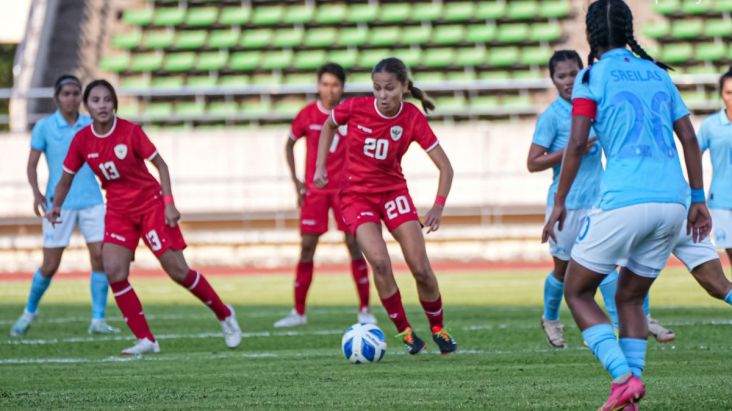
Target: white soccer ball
363	343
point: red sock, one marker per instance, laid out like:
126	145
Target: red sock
433	311
360	272
196	283
131	309
395	309
303	278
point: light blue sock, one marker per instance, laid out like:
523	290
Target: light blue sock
634	350
99	290
602	342
728	298
608	289
647	305
553	294
39	285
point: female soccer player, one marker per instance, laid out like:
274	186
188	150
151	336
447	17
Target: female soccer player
715	135
83	207
633	106
137	206
380	130
315	202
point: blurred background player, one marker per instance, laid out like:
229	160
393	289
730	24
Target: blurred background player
137	206
642	203
83	206
315	202
380	130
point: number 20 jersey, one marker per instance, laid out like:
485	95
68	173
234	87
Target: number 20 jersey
637	104
375	144
118	160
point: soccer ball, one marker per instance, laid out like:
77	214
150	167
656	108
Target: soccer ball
363	343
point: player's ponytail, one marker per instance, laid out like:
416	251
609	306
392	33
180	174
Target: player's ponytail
397	67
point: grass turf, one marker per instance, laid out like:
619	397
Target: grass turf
504	361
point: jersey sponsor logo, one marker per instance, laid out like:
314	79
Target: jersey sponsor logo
367	213
308	222
120	150
343	130
396	133
92	155
364	129
316	127
117	237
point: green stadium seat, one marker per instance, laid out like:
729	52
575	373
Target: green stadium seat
696	7
451	105
666	7
384	36
310	59
512	33
235	81
130	110
411	56
170	82
703	69
694	98
256	39
536	56
426	12
222	109
158	39
522	10
169	17
484	103
276	60
520	102
368	58
127	40
416	35
346	58
503	56
300	79
268	15
320	37
555	9
201	81
711	52
115	63
394	12
288	38
363	13
471	57
138	17
723	6
234	16
331	13
657	29
190	109
288	107
484	33
179	62
718	28
527	74
491	10
299	14
146	62
191	39
212	61
360	78
202	16
161	110
449	35
438	57
429	77
461	76
494	75
353	36
256	108
245	61
139	82
545	32
677	53
223	39
687	29
459	11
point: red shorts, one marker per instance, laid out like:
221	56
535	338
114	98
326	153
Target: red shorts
394	207
314	212
126	231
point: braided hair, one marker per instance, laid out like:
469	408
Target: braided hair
610	25
397	67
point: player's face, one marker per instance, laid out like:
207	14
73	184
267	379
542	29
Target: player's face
564	74
727	95
330	89
68	98
388	91
100	104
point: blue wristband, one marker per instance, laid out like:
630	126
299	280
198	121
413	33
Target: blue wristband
697	195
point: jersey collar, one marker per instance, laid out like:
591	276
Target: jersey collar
723	118
61	121
321	107
618	52
111	130
401	106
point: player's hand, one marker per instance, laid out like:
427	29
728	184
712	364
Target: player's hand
559	213
321	177
590	143
433	218
171	215
699	222
300	191
54	215
39	204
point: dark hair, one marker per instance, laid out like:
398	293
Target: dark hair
610	25
334	69
397	67
63	80
100	83
564	55
726	76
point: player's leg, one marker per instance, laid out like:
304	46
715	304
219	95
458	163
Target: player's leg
608	290
632	292
99	287
360	274
303	279
710	275
729	255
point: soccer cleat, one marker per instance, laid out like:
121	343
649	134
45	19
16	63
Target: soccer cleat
554	332
100	326
624	394
365	316
659	332
633	406
413	343
446	343
22	324
293	319
143	346
232	331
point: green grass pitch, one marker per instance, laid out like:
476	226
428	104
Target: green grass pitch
503	363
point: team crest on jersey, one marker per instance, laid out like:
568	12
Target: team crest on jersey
120	150
342	130
396	133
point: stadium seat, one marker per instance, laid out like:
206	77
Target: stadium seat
438	57
288	107
687	29
331	13
256	108
470	57
555	9
527	74
212	61
503	56
179	62
367	59
301	79
353	36
244	61
299	14
429	77
139	82
321	37
484	103
384	36
448	35
703	69
694	98
451	105
411	56
461	76
223	39
718	28
169	16
484	33
494	75
491	10
522	10
346	58
657	29
268	15
710	52
723	6
146	62
138	17
235	81
170	82
536	56
360	78
190	109
677	53
459	11
416	35
276	60
115	63
695	7
545	33
395	12
127	40
161	110
190	39
362	13
202	16
234	16
222	109
309	60
201	81
512	33
666	7
288	38
256	39
521	102
266	79
427	12
158	39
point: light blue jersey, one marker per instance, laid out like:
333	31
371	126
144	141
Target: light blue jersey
637	104
715	135
52	136
552	133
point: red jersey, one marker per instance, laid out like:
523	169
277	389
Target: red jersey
118	160
308	123
376	143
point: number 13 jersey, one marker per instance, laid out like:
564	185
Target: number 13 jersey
375	144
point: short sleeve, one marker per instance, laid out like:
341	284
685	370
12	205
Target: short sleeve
38	137
75	156
298	128
703	136
342	112
422	133
678	108
545	131
143	146
581	89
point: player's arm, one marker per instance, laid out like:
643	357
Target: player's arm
59	195
326	139
699	222
171	212
434	216
39	201
540	159
290	156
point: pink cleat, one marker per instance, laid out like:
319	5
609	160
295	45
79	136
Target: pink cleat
633	406
623	395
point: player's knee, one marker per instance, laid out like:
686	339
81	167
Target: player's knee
423	273
307	248
381	265
48	269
